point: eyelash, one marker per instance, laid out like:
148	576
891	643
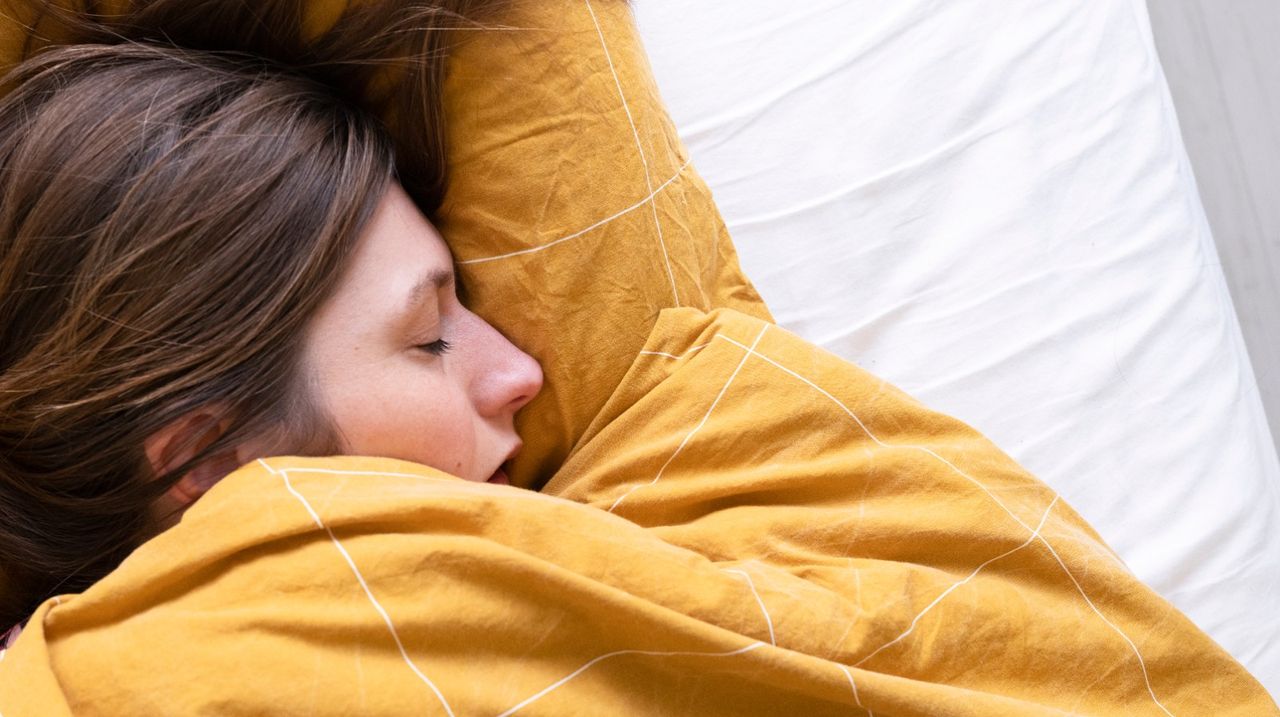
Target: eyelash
439	347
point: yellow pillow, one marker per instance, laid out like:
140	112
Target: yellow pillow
573	210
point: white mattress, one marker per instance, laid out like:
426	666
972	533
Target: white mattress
989	205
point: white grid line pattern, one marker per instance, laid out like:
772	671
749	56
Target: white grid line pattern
936	601
773	640
635	132
575	235
455	483
395	635
1133	646
651	653
746	355
673	356
336	472
876	439
1141	662
857	600
854	686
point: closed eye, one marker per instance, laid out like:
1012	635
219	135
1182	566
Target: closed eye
439	347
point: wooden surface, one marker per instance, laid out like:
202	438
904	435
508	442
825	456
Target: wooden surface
1222	59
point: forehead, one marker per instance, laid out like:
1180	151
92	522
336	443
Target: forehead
399	234
396	253
397	258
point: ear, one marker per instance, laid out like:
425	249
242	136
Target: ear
184	439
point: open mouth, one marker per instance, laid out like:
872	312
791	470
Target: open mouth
500	476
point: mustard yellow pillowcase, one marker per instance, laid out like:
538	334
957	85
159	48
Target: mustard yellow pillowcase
573	210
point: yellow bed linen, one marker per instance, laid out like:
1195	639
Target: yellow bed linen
751	526
767	529
573	208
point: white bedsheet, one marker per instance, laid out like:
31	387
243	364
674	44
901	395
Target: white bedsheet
989	204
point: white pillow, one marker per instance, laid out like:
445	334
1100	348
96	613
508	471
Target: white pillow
989	204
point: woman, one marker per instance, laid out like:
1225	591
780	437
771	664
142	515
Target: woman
207	260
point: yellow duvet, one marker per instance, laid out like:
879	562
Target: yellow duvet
750	526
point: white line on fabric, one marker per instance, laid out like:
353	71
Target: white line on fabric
635	132
746	355
856	700
336	472
1035	534
395	635
773	640
577	234
915	621
1141	662
452	485
873	436
673	356
857	599
651	653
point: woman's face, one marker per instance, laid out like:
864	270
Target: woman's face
402	368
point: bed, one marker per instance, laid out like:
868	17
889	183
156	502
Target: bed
993	209
732	520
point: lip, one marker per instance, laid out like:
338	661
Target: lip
499	476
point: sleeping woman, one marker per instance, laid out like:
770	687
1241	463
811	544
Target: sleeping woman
238	389
207	262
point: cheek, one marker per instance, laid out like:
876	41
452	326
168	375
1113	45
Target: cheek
405	415
448	442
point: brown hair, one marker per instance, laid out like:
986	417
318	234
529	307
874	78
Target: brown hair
169	220
386	55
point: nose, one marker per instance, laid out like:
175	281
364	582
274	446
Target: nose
525	379
510	377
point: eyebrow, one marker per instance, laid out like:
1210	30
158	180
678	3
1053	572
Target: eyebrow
431	282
